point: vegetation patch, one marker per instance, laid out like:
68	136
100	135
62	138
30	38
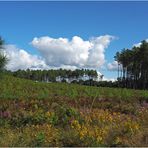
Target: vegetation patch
61	114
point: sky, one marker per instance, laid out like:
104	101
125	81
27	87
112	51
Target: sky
45	35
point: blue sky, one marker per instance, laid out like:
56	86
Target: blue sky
21	22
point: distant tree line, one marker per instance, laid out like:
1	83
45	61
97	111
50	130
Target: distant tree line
55	75
133	67
78	76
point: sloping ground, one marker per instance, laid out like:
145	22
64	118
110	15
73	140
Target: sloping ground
12	87
60	114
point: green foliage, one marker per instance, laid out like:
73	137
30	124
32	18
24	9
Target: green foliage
60	114
144	95
53	119
51	75
40	138
64	114
3	59
132	67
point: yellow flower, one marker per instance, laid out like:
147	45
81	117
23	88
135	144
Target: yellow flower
99	139
75	124
118	140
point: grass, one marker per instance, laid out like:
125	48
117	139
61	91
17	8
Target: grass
61	114
15	88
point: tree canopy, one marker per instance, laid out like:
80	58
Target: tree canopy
3	59
56	75
133	66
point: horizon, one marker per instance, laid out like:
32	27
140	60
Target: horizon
70	34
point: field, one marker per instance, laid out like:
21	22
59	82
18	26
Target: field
60	114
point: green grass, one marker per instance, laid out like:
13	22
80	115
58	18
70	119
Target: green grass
44	114
11	88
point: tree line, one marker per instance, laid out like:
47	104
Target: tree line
56	75
133	66
78	76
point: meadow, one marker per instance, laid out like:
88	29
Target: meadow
60	114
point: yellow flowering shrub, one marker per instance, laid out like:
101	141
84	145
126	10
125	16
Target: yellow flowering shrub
100	125
43	135
34	135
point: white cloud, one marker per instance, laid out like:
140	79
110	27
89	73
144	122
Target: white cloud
21	59
109	79
60	53
112	66
139	44
104	77
75	52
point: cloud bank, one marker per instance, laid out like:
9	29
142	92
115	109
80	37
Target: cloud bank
62	52
21	59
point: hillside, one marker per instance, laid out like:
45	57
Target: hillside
61	114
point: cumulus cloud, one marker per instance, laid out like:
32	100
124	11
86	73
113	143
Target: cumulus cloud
75	52
112	66
60	53
21	59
